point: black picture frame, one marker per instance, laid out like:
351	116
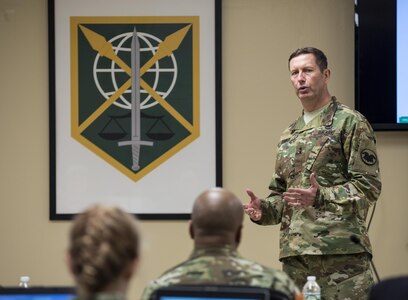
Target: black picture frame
55	147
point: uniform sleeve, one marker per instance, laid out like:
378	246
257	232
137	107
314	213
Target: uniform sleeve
150	289
364	185
147	292
272	206
283	283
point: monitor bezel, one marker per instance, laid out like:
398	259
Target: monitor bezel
216	292
38	290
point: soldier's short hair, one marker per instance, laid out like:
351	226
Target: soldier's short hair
321	59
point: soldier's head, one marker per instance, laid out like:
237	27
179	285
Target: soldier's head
320	57
216	218
103	249
309	76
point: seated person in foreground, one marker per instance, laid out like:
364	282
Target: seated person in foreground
103	253
216	225
392	288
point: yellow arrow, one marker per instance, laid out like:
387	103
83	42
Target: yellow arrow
170	109
166	48
104	48
104	106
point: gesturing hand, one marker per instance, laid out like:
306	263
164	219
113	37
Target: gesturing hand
302	197
253	208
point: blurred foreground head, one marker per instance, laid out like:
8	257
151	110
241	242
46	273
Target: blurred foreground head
103	250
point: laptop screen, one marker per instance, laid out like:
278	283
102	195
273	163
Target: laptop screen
37	293
212	292
200	298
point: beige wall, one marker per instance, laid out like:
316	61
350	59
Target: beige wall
258	103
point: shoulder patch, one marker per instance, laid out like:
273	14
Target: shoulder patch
368	157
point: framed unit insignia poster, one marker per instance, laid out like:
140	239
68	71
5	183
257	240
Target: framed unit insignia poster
135	105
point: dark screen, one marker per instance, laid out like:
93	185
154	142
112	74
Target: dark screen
376	63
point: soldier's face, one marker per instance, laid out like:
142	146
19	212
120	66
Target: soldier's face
307	79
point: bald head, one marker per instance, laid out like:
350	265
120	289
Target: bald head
217	213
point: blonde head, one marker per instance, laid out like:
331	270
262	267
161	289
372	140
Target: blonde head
103	246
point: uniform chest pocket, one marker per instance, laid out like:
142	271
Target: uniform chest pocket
327	161
315	151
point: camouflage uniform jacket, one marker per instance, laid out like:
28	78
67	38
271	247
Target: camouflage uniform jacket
339	146
222	266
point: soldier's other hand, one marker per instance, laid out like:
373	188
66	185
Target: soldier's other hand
302	197
253	208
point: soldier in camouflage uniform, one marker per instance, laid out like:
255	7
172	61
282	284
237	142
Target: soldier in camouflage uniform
326	177
215	227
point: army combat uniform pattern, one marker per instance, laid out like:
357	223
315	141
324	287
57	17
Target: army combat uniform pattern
222	266
339	146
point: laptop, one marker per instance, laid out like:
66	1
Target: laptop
216	292
37	293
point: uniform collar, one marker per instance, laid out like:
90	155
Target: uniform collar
326	118
226	250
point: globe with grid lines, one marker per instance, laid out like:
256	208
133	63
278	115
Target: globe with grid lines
109	77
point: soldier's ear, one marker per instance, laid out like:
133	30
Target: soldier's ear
327	74
130	270
238	235
190	229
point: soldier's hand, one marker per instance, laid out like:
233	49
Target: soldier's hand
253	208
302	197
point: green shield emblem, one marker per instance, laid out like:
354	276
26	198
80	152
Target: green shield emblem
135	88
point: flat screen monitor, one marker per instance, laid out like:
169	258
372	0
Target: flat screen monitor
381	59
214	292
37	293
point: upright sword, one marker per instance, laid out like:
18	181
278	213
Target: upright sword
136	140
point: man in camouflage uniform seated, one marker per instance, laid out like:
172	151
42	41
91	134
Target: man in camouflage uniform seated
215	227
326	177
